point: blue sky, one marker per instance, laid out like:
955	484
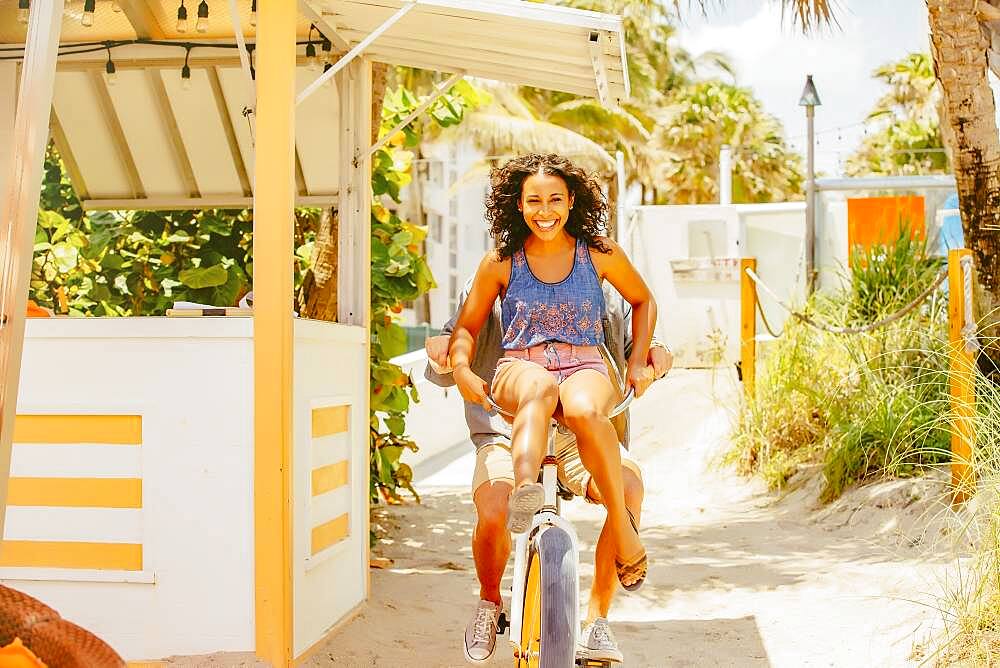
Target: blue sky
773	57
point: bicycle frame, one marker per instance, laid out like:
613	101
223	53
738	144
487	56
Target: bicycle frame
546	518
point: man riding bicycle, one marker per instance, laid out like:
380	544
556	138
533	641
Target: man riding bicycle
493	481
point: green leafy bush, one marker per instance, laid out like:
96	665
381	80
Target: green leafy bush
399	274
863	405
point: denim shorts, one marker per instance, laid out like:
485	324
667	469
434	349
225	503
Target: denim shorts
562	360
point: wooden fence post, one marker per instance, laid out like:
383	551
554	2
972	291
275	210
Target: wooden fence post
962	366
748	325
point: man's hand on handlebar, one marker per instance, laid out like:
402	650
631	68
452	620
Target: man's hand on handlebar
437	353
661	359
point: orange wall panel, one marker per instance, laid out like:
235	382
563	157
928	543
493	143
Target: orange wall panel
876	220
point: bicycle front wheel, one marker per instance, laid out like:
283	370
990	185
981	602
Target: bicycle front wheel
548	618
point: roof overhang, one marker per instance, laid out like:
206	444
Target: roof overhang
146	142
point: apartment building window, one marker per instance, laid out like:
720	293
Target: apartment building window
453	207
436	173
435	224
453	246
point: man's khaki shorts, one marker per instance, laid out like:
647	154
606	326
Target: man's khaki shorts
494	463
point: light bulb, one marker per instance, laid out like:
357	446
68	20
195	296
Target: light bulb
253	13
327	48
22	11
182	18
88	13
202	24
311	60
186	77
112	73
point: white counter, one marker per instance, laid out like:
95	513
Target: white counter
131	508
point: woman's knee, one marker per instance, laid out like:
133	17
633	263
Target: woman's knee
583	412
540	388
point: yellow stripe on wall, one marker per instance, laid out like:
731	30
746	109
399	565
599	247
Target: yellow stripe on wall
329	477
71	554
329	420
329	533
105	429
76	492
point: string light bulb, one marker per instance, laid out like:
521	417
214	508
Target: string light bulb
110	69
327	47
186	72
88	12
182	18
311	61
202	24
22	10
253	13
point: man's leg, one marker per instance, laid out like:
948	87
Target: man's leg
490	539
492	483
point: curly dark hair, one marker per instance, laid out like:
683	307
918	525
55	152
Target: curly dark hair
587	219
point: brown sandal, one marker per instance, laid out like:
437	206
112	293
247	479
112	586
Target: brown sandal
634	567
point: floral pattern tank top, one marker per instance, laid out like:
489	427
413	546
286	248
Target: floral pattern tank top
534	312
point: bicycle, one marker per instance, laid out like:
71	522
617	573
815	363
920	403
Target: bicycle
544	624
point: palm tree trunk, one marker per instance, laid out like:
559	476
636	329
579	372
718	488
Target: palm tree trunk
959	49
317	298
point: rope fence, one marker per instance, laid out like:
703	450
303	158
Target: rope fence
963	347
917	301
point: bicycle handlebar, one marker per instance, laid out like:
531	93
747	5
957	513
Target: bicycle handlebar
616	411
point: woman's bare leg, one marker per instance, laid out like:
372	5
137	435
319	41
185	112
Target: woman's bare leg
531	394
586	398
605	584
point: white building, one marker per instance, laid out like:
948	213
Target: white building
447	195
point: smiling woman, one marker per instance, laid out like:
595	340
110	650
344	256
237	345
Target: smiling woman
548	218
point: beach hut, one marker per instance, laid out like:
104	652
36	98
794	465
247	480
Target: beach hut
182	486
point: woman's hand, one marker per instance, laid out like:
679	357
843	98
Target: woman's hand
639	377
472	387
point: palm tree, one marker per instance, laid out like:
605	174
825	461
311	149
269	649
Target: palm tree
692	131
961	52
960	47
907	133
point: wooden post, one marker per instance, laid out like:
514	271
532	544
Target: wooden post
962	381
748	325
273	245
23	161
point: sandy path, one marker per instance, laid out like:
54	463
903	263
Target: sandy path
736	579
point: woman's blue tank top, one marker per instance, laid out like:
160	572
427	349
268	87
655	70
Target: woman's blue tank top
533	312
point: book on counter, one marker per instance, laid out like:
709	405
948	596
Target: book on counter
195	310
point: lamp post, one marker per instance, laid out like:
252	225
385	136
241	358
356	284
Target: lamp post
810	100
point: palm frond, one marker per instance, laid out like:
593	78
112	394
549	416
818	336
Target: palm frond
585	113
498	134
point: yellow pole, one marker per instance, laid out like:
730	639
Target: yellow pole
748	325
962	382
274	192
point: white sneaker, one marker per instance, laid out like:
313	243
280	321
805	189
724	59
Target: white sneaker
481	633
524	503
598	642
